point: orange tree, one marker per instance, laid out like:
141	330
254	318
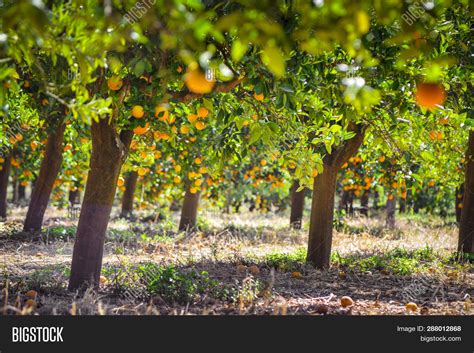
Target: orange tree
286	53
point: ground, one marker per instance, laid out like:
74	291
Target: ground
248	263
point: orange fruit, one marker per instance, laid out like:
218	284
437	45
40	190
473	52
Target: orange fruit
141	171
198	160
196	81
34	145
120	181
200	125
192	118
314	173
263	162
31	294
346	301
184	129
411	307
296	275
254	269
203	112
30	303
114	83
177	179
258	97
193	190
137	111
177	168
164	136
444	121
162	112
68	147
381	159
198	182
430	95
140	130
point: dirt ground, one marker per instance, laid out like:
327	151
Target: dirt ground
247	263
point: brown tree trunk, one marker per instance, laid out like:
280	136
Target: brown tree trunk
21	192
466	226
364	203
458	201
109	150
15	195
297	206
128	195
73	197
344	201
391	207
322	206
321	222
4	175
403	205
189	211
50	166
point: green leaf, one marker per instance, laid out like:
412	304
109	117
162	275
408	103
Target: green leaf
238	50
273	58
139	68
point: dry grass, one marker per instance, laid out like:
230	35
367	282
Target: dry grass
243	264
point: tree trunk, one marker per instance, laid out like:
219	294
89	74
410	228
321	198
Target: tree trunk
21	192
297	206
344	201
376	200
321	221
458	201
15	195
322	206
466	226
4	175
50	166
364	203
189	211
109	150
128	195
403	205
391	207
73	197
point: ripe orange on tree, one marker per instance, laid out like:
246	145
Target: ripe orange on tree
140	130
192	118
429	95
114	83
258	97
162	112
200	125
196	81
137	111
184	129
203	112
